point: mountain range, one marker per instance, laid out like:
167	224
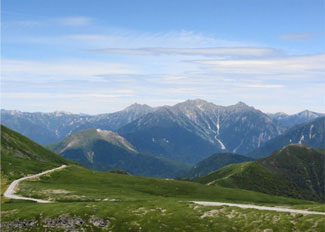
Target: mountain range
311	133
193	130
186	132
46	128
291	120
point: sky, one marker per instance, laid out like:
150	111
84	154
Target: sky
100	56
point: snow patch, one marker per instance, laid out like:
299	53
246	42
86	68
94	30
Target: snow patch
223	147
310	130
301	139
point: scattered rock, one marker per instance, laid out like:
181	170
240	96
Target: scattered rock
63	222
97	221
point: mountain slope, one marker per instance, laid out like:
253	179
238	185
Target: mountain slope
46	128
20	155
106	150
215	162
294	171
310	133
192	130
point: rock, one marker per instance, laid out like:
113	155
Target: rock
97	221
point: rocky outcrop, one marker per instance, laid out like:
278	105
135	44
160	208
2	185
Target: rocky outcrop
64	222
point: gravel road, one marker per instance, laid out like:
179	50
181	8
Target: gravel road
10	192
244	206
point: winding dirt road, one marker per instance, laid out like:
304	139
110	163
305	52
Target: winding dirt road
10	192
244	206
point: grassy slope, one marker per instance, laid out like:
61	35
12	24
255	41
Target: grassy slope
20	156
146	204
215	162
294	171
151	204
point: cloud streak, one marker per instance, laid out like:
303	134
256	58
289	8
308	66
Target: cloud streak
210	51
296	36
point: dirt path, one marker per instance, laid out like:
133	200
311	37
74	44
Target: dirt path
244	206
10	192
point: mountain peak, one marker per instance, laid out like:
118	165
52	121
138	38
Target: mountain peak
138	107
241	104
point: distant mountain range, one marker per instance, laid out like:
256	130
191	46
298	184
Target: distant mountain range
46	128
292	171
291	120
105	150
311	133
187	132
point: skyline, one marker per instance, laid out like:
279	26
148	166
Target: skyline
102	57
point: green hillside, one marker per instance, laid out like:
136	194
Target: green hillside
105	150
20	156
215	162
88	200
293	171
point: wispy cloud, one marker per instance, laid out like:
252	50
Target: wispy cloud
309	64
73	21
296	36
68	69
210	51
123	39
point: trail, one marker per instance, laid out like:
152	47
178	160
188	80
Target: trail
247	206
10	192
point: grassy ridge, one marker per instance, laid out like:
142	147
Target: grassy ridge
294	171
150	204
87	185
20	156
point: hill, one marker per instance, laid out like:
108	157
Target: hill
310	133
105	150
20	156
215	162
294	171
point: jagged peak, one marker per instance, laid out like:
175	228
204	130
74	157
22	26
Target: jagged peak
241	104
136	106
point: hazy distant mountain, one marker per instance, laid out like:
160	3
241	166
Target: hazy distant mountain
105	150
291	120
292	171
215	162
192	130
310	133
46	128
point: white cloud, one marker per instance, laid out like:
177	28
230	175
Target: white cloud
69	69
122	39
263	86
210	51
296	36
309	64
73	21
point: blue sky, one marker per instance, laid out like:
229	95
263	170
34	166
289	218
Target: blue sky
101	56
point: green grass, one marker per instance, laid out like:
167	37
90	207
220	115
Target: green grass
151	204
20	156
91	185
